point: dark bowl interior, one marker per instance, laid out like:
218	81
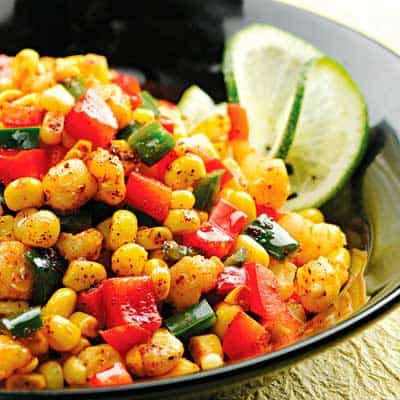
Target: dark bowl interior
171	44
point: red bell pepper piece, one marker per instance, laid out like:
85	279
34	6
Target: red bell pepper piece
131	87
211	240
239	123
227	217
91	302
56	154
114	376
167	124
91	119
230	278
15	116
245	337
149	196
20	163
271	212
124	337
131	301
158	170
216	164
266	302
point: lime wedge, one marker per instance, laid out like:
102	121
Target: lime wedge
195	104
330	137
262	68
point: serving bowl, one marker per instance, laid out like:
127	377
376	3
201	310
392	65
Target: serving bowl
172	46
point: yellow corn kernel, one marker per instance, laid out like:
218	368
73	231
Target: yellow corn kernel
198	144
6	228
255	252
222	148
182	221
203	215
94	66
340	259
99	358
81	149
26	382
57	99
82	274
65	69
185	171
86	244
8	307
206	351
153	238
123	229
128	260
82	345
104	228
37	228
142	115
62	302
9	95
183	367
88	324
24	193
31	99
61	333
28	368
225	314
159	273
216	127
52	128
243	201
37	343
53	374
285	272
74	371
312	214
25	64
124	152
182	199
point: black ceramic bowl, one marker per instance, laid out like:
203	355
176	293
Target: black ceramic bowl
175	43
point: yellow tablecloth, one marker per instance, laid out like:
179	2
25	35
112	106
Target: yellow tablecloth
367	366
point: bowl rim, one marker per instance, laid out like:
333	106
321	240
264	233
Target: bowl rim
255	365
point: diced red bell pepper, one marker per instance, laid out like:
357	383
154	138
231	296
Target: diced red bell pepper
131	87
158	170
91	302
271	212
230	278
131	301
216	164
167	124
211	240
227	217
91	119
149	196
245	337
114	376
239	123
5	66
15	116
20	163
122	338
266	301
56	154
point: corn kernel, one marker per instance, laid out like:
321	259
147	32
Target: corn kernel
255	252
183	367
52	128
81	149
62	302
129	259
53	373
25	382
61	333
82	274
182	199
206	351
160	275
142	115
65	69
123	229
57	99
182	221
88	324
28	368
313	215
243	201
6	228
74	371
153	238
24	193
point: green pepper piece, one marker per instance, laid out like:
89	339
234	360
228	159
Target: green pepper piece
48	268
206	190
193	320
237	258
75	86
149	102
152	142
174	251
23	324
272	237
20	138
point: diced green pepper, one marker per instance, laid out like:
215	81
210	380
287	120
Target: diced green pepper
206	190
128	130
149	102
237	258
174	252
151	143
191	321
20	138
23	324
272	237
75	86
48	268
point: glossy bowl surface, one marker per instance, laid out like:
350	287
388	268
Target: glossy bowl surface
176	43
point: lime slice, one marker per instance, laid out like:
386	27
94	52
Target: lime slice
330	137
262	68
195	104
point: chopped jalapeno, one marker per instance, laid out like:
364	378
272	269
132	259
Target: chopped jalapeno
23	324
206	190
19	138
75	86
